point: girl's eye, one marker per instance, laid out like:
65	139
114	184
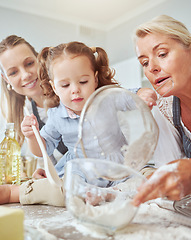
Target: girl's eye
65	85
84	82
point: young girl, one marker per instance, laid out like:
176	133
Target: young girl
69	74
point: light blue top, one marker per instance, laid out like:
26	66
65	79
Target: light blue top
103	135
60	126
105	128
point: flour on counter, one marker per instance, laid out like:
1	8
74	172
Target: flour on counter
109	215
150	223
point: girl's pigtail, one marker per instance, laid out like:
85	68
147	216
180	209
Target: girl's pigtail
51	99
105	73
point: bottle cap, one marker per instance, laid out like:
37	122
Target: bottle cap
9	126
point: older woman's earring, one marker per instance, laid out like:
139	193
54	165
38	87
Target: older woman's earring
9	87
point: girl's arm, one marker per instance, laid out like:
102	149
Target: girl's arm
34	146
26	127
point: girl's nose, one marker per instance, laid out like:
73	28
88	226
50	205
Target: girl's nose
75	89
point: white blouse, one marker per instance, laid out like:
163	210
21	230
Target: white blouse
169	145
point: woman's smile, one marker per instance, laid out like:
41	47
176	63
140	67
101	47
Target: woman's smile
30	84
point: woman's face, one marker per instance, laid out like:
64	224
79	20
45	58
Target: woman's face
165	61
20	68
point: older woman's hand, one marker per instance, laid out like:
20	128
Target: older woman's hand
172	181
148	95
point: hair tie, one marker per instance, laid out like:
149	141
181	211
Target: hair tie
93	49
94	52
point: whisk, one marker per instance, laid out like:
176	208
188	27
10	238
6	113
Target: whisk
183	206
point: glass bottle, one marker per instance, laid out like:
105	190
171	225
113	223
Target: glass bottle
10	157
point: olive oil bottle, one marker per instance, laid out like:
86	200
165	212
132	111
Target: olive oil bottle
10	157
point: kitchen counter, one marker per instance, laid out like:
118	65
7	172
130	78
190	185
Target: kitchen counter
150	223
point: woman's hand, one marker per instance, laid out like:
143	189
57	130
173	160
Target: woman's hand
148	95
26	125
39	174
172	181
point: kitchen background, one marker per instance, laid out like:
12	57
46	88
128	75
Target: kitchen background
105	23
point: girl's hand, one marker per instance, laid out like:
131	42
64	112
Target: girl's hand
148	95
39	174
26	126
96	200
171	180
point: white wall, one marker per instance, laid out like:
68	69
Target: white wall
42	32
128	73
119	41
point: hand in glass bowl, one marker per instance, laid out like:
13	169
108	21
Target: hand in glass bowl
100	192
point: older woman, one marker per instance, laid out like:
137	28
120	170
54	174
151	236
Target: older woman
163	48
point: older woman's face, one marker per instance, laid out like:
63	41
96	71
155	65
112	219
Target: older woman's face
20	68
164	59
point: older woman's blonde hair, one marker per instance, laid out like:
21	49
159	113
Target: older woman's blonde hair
167	25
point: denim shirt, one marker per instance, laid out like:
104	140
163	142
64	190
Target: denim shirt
103	135
60	126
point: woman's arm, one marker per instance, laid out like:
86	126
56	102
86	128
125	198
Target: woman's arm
172	180
9	194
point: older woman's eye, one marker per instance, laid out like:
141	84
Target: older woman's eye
162	55
145	63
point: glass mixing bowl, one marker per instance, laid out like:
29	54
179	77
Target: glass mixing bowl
99	192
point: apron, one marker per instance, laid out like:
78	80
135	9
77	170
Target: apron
176	119
61	147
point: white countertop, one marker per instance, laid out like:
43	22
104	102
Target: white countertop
151	223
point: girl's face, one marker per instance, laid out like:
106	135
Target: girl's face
74	81
20	68
165	60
